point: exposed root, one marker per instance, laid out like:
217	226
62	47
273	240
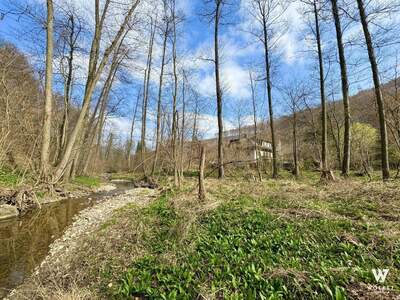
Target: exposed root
327	176
23	199
146	182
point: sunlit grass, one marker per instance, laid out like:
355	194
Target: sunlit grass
87	181
9	178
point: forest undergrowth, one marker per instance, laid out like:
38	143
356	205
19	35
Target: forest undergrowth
278	239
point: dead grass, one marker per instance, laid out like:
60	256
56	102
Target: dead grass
99	259
364	291
53	291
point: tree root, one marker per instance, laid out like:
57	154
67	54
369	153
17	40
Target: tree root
23	199
146	182
327	176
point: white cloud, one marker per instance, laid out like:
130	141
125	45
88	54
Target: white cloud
236	79
186	6
208	125
291	23
121	125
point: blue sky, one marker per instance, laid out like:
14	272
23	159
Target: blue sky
293	59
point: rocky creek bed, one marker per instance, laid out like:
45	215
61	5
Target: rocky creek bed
84	224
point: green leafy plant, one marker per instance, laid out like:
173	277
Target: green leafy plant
87	181
246	254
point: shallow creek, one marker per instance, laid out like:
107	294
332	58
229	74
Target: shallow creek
24	241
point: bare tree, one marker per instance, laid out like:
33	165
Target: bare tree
93	124
296	93
146	86
101	118
324	142
378	91
194	128
345	90
70	32
166	29
109	145
96	66
130	141
238	112
392	98
268	14
217	19
182	127
45	154
325	172
174	92
335	126
253	98
202	190
215	15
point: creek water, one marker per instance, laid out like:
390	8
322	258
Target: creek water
24	241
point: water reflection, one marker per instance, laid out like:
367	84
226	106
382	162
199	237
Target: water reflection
24	241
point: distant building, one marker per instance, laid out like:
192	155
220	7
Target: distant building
248	148
241	146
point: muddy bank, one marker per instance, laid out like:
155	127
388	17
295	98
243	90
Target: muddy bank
23	200
8	211
25	238
55	264
17	202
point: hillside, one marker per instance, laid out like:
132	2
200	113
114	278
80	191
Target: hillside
363	110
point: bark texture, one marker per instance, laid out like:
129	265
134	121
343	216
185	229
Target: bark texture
218	88
324	128
345	91
378	91
45	154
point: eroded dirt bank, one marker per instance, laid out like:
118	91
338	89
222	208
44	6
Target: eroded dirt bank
18	202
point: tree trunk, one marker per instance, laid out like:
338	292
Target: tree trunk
296	171
221	173
109	145
194	134
102	120
93	129
45	154
324	141
345	91
160	87
94	71
378	92
72	171
315	134
67	89
146	97
337	138
130	142
202	190
253	98
275	172
174	98
182	132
